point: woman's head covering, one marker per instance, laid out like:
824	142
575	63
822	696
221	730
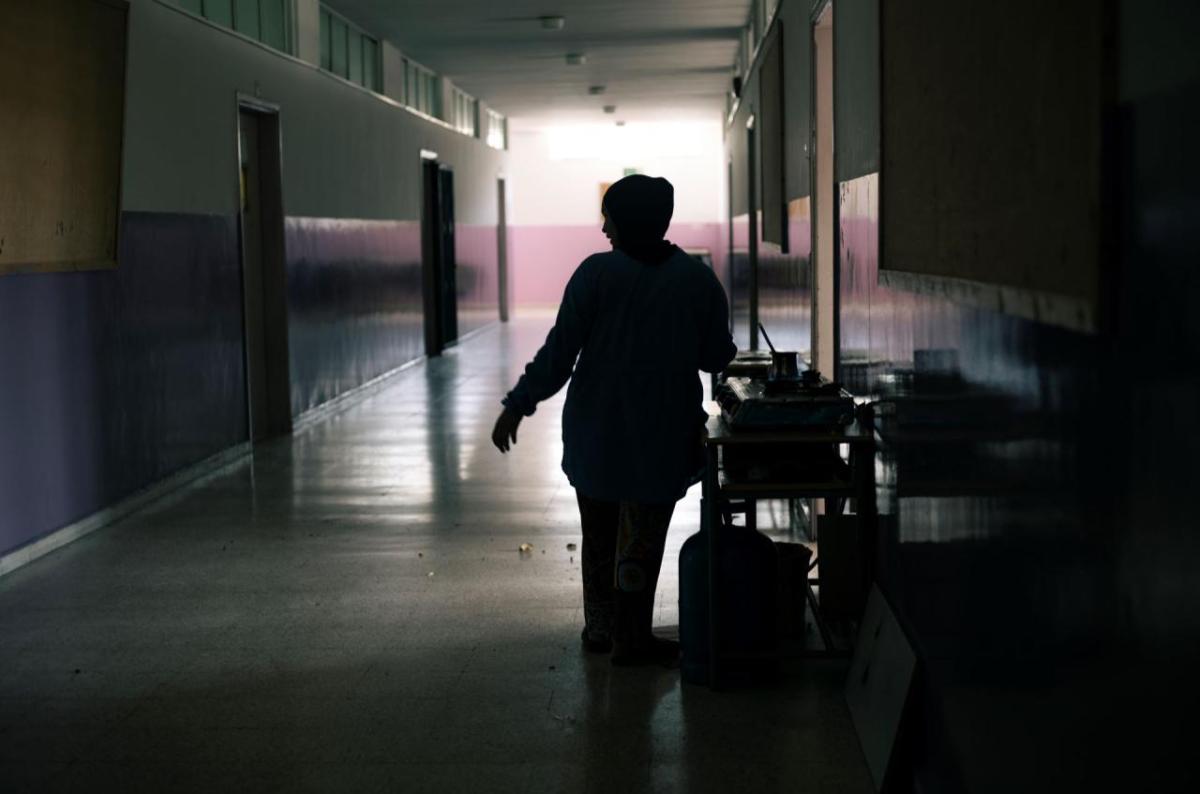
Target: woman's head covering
640	207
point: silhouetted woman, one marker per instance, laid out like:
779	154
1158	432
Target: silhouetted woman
642	320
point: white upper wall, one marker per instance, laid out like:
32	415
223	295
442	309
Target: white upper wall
347	152
556	172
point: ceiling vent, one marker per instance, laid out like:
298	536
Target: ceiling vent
596	90
576	59
610	108
552	22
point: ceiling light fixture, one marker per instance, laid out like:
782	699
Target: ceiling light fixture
620	122
596	90
610	108
576	59
550	22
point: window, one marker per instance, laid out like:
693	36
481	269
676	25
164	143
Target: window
245	18
266	21
219	11
370	56
464	112
273	23
423	89
349	52
497	130
433	89
355	56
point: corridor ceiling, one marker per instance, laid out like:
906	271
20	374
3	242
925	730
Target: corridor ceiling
659	59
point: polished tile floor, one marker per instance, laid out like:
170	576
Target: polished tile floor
349	611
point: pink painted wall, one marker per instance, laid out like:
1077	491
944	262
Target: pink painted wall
477	251
544	257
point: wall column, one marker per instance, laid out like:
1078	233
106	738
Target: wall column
308	31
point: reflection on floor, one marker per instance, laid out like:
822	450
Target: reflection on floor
349	612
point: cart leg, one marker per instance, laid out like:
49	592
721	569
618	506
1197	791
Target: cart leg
711	514
822	627
868	519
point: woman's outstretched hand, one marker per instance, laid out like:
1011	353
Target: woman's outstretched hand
504	434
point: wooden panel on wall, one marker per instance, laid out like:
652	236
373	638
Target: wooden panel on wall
795	39
991	139
770	130
856	104
62	86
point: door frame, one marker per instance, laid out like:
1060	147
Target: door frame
820	193
431	274
447	255
439	323
271	314
728	275
502	243
752	208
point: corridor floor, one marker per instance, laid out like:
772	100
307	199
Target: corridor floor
348	611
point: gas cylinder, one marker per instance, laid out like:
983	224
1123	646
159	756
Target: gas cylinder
747	601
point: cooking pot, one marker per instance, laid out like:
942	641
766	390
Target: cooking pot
785	364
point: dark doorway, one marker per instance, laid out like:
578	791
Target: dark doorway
439	263
264	279
502	246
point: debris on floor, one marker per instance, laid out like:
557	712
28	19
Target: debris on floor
420	554
525	548
571	547
431	573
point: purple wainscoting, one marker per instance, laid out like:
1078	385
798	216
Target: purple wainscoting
1028	534
354	303
858	259
987	546
738	284
784	286
114	379
544	257
959	512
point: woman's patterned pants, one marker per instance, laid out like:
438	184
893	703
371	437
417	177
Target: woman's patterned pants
622	554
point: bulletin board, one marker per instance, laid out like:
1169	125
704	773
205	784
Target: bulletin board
62	90
770	131
991	146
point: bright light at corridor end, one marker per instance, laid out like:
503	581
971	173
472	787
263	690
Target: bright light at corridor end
634	142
